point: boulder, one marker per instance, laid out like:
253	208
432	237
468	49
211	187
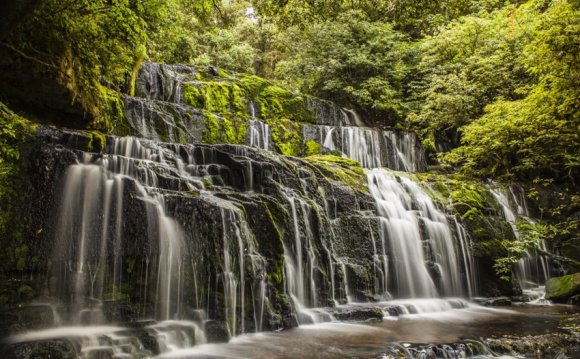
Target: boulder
359	314
217	331
560	289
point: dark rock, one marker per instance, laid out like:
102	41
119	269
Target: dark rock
217	331
359	314
552	345
574	300
498	302
54	349
213	71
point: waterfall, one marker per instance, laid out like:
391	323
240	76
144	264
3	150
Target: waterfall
86	209
532	270
259	135
373	148
415	230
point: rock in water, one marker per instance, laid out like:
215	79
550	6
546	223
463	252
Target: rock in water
560	289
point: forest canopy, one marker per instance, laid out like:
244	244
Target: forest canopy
490	85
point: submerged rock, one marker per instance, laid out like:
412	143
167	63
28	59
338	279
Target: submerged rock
359	314
498	302
538	346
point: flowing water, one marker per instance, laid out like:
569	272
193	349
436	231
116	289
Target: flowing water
373	148
343	340
532	271
410	224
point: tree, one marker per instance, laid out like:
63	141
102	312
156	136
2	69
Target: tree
473	62
351	60
537	136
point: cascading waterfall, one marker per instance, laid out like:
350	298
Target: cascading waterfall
410	223
88	201
532	270
371	147
258	133
91	241
301	284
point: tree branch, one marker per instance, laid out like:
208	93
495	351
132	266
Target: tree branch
34	59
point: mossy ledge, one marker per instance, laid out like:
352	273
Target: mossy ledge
224	102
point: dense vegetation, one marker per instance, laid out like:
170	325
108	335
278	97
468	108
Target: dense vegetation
497	81
490	86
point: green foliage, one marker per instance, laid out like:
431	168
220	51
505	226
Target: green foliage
15	132
355	62
415	17
202	33
88	46
536	136
530	235
472	62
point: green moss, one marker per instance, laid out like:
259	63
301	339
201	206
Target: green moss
192	96
97	141
286	136
16	135
312	148
110	109
342	169
21	254
275	101
238	100
562	288
227	129
25	292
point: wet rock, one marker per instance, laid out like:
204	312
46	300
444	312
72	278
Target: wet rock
394	310
55	348
359	314
574	300
539	346
28	317
560	289
217	331
213	71
498	302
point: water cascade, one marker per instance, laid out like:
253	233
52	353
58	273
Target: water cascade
258	133
532	270
373	148
163	246
424	257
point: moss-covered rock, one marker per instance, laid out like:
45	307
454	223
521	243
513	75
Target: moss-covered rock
340	169
560	289
312	148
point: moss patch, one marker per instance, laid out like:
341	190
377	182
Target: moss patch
286	136
226	129
560	289
97	141
342	169
312	148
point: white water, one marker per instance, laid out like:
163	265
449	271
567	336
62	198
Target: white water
371	147
258	133
532	271
403	208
